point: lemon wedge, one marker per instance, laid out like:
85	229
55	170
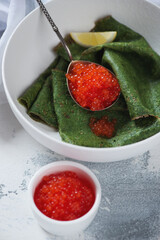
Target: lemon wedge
89	39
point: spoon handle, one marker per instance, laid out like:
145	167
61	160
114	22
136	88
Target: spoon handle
55	28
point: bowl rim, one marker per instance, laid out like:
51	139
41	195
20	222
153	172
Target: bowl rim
86	171
39	131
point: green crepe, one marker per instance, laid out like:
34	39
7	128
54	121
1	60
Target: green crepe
29	96
38	98
137	67
42	109
73	121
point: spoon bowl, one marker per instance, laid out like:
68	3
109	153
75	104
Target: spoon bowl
72	63
88	105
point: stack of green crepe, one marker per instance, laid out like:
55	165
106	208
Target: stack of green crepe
137	111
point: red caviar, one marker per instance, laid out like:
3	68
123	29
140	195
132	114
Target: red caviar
64	196
92	85
103	127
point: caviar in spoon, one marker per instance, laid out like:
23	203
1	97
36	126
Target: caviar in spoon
92	86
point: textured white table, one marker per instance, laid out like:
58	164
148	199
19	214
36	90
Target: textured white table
130	206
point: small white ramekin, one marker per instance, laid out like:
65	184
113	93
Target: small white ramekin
57	227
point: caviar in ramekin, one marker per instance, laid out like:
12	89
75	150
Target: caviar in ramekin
65	197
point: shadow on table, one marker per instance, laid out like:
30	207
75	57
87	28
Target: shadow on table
130	206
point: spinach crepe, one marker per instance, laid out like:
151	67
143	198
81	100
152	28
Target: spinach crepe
137	112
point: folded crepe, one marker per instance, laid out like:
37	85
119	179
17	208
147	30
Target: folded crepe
137	68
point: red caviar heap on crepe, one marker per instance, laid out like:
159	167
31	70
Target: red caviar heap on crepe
103	127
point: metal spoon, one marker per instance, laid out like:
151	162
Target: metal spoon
55	28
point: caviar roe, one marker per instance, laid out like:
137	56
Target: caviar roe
64	196
103	127
92	85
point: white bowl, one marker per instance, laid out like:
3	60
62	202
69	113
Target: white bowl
65	227
29	52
